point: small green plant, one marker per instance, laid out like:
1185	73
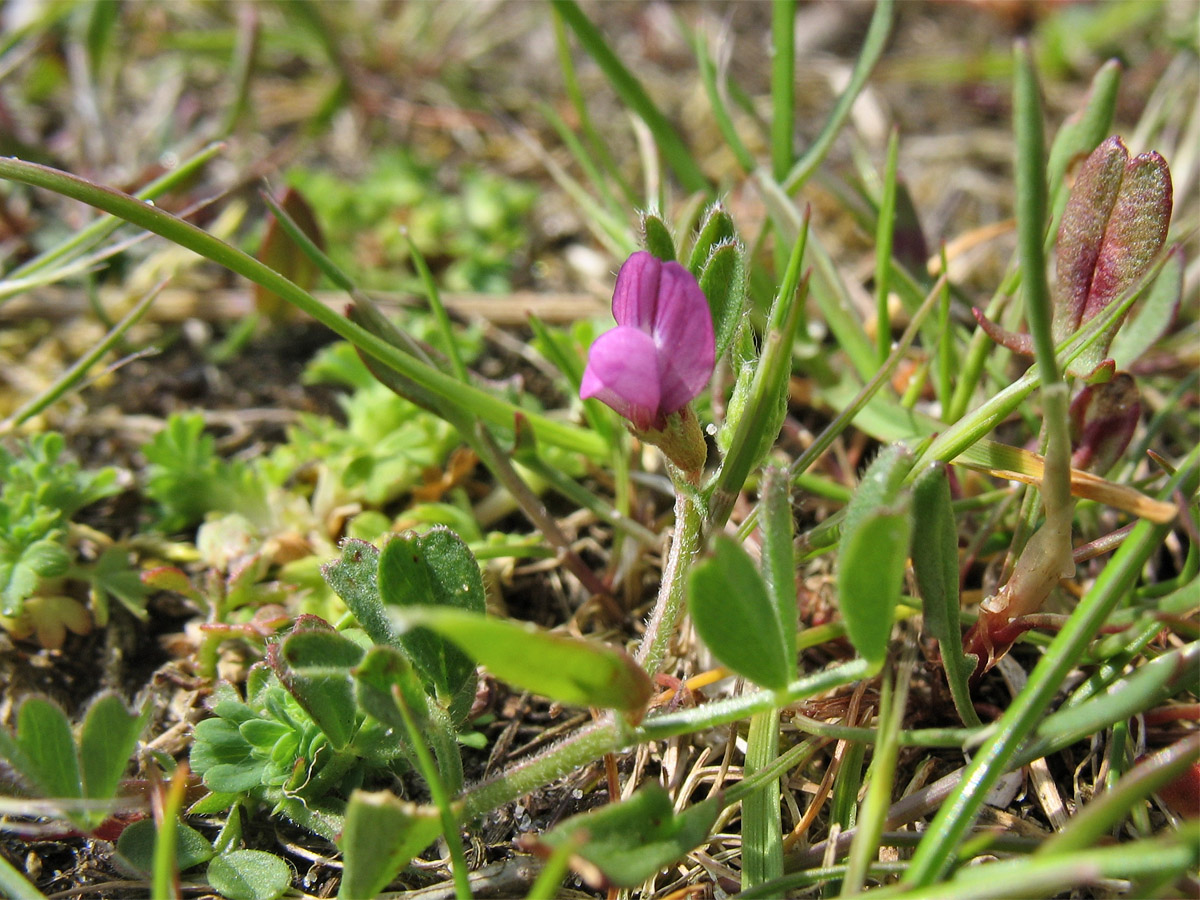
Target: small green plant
470	227
380	454
301	740
792	567
40	565
187	480
82	775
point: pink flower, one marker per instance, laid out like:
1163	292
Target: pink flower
662	352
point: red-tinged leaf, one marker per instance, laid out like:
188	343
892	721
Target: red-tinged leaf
1103	419
168	578
1113	227
1017	343
1081	232
280	253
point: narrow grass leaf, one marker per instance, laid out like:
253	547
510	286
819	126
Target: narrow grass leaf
783	86
634	96
13	884
720	110
1031	210
873	812
779	556
829	289
1095	821
884	234
471	401
733	613
587	125
82	241
872	49
74	375
762	826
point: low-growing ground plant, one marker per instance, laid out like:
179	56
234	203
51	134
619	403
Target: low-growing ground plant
850	566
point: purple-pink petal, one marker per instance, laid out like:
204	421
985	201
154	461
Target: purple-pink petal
662	353
635	297
683	332
623	372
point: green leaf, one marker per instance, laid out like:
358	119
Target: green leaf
314	665
230	834
873	552
630	841
434	569
217	742
354	578
44	735
136	845
26	566
657	238
263	733
382	834
47	558
582	673
235	778
1152	316
249	875
382	670
736	618
385	670
935	565
112	575
716	228
723	280
109	738
212	803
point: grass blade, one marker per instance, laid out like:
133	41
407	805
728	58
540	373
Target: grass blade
877	34
634	96
471	400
